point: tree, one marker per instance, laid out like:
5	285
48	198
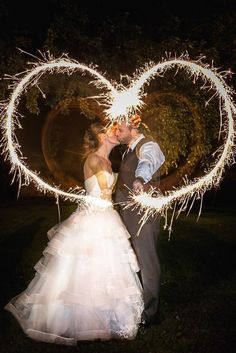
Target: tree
118	43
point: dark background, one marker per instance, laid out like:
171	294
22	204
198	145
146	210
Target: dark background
198	264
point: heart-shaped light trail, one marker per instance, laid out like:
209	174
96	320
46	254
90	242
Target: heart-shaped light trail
120	101
196	188
10	121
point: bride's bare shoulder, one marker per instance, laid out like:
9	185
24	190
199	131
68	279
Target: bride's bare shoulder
93	159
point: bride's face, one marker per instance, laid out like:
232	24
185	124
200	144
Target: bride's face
111	135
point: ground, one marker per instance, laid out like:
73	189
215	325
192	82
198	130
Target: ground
197	286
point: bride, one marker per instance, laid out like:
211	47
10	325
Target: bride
86	285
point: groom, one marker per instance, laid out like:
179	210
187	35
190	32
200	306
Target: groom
139	169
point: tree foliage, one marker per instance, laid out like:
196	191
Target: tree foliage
119	43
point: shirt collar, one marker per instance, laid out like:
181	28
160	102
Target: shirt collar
134	144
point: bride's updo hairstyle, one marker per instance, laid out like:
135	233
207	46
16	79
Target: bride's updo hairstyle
91	138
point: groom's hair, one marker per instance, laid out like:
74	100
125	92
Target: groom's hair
143	129
129	125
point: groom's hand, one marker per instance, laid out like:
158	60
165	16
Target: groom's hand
138	185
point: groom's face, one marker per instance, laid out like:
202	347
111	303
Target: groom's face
123	133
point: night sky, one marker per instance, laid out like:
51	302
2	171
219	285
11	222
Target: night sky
182	17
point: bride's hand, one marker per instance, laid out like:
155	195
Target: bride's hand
106	194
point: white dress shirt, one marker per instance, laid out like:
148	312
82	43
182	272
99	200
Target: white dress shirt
151	158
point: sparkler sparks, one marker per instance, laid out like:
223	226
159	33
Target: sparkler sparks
11	120
195	189
120	101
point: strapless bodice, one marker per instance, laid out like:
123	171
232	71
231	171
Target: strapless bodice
92	187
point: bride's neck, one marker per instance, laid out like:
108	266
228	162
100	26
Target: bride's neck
104	151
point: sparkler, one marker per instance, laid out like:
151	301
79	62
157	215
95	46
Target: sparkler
119	102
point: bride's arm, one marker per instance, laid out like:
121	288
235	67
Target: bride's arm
98	169
106	192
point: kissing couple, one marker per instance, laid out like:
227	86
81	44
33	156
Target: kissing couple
97	279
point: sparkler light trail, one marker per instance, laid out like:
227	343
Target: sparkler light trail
119	102
11	120
196	188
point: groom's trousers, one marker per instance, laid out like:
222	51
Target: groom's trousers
145	244
145	247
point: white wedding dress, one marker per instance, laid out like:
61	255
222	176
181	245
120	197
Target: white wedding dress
86	285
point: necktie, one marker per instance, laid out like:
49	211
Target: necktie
127	151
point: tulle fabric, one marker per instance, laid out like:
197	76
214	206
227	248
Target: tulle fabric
85	285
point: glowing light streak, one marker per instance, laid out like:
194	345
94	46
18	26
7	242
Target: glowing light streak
197	187
120	101
9	142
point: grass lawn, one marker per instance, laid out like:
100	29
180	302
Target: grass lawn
197	287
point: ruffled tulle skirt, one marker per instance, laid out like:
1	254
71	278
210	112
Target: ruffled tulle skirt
85	285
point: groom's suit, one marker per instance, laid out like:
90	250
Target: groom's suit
143	160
